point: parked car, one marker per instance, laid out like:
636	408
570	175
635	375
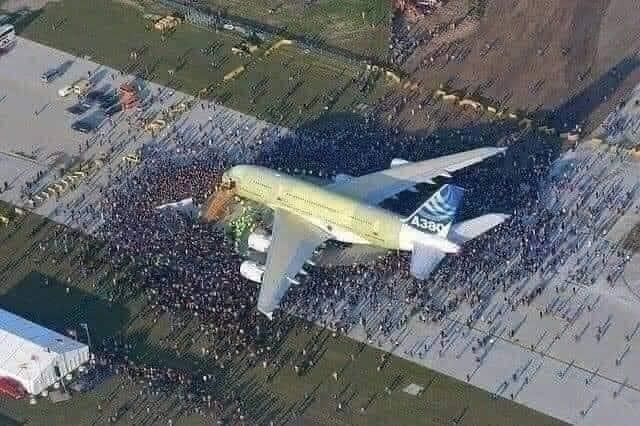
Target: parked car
94	96
81	86
65	91
79	108
49	75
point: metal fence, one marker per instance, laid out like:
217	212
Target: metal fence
205	17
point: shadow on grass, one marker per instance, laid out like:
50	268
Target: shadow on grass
22	18
8	421
51	306
235	381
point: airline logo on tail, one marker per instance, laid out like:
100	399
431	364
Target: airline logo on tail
438	213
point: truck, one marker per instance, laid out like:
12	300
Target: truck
49	75
81	86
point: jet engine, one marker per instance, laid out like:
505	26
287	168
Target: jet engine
259	241
341	177
252	271
398	162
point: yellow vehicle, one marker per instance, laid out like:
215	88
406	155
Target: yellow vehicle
132	158
167	23
156	125
178	108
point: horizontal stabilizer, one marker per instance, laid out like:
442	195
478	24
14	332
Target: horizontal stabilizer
469	229
186	207
424	260
186	203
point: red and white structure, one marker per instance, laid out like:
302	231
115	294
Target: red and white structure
34	356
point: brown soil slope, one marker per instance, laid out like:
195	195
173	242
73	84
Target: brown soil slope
536	54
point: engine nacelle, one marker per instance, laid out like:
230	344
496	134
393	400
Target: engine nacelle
252	271
398	162
259	241
341	177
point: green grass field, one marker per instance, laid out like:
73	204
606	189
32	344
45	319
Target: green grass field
275	393
359	26
288	87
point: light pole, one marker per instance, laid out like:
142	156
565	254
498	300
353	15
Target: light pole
86	329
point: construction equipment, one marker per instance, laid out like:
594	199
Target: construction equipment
234	73
81	86
128	94
167	23
132	158
155	125
244	48
178	108
217	204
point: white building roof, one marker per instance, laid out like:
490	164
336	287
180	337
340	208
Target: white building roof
29	352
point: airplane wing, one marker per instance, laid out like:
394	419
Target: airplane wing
376	187
293	242
469	229
424	260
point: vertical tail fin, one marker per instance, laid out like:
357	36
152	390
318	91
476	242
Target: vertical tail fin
438	213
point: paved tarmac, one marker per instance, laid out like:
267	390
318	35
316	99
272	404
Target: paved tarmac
573	352
37	133
570	354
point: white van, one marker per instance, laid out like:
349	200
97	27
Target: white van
65	91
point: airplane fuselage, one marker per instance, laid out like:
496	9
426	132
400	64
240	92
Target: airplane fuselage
346	219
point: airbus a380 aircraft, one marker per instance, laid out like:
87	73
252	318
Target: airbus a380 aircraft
306	215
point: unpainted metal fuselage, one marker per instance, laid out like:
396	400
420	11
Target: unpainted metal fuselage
345	218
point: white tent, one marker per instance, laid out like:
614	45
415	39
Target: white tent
30	353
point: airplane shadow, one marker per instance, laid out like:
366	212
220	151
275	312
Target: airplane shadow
355	145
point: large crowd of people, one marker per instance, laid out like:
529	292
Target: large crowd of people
187	266
189	271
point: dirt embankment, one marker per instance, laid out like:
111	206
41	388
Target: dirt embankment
534	55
